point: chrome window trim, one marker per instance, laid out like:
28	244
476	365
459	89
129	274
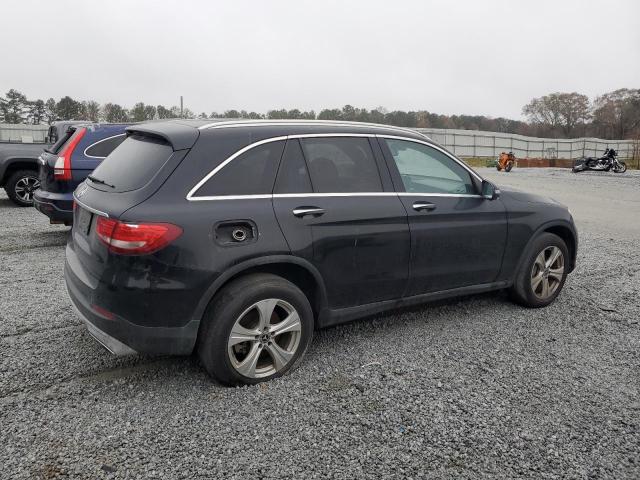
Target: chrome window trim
100	141
344	194
191	194
336	194
192	198
229	197
459	162
91	209
454	195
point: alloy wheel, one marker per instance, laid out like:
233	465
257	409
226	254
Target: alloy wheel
25	187
264	338
547	272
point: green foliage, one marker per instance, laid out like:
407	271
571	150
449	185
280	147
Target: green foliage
68	109
91	110
14	107
50	111
141	112
114	113
163	112
37	111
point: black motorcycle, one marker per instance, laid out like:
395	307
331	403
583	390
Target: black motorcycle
609	161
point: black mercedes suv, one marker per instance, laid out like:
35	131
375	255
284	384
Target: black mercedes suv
238	239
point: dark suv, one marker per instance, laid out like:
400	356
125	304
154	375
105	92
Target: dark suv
67	163
238	239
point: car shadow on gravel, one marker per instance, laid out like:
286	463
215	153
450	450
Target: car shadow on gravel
462	303
173	369
54	238
6	203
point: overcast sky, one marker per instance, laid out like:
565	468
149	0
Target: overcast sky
451	57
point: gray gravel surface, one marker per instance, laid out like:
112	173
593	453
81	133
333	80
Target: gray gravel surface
470	388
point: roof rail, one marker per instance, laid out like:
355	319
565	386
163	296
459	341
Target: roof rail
336	123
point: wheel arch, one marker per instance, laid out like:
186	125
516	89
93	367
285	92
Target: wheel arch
14	164
294	269
562	229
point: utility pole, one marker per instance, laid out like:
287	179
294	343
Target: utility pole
181	108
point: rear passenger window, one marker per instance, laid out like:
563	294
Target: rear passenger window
293	176
103	148
251	173
341	164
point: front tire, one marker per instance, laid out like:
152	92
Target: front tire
508	167
256	329
543	272
21	186
621	168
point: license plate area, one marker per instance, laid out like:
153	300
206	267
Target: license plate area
84	221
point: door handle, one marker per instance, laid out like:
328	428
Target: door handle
304	211
418	206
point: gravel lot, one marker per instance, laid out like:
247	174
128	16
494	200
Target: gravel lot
469	388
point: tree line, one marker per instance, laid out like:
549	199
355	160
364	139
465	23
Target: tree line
613	115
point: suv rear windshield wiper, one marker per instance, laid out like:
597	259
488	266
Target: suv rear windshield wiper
97	180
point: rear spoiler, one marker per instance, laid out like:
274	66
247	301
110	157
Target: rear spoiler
179	135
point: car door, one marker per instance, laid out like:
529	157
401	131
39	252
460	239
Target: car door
457	236
336	211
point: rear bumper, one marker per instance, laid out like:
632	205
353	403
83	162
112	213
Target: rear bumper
57	206
119	335
113	345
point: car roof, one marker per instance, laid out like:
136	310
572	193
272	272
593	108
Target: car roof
183	133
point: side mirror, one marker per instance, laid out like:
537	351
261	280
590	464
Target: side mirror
489	190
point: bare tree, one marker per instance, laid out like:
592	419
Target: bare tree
558	111
617	114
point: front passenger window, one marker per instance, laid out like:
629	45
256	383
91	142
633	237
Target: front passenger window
424	169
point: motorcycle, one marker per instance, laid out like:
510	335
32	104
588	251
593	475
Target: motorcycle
609	161
505	161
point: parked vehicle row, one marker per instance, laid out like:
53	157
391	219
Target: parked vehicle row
19	164
64	165
237	239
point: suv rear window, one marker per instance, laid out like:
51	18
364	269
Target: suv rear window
103	148
59	142
133	163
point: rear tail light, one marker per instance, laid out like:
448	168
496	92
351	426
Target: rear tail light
62	167
135	238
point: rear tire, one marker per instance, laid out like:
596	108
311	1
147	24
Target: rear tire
239	341
543	272
21	185
498	167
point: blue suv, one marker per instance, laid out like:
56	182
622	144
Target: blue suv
66	164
